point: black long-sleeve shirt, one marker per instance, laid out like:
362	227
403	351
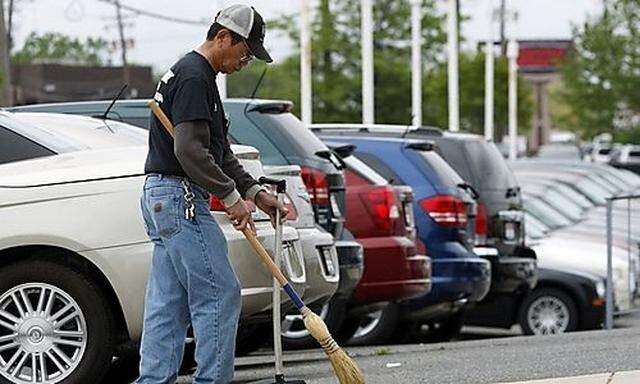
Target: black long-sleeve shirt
189	96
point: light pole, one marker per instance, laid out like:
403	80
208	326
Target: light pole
488	79
366	7
452	38
306	106
512	55
416	63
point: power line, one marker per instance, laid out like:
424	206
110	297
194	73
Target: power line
154	15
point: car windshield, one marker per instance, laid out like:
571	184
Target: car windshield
563	204
611	189
545	213
621	185
592	190
534	228
574	195
490	166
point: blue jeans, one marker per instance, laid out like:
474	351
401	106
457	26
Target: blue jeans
191	281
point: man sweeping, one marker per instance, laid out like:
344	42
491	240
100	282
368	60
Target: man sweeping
191	279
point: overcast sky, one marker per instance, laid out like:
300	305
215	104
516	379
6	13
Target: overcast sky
160	43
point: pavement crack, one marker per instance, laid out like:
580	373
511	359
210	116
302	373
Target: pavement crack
610	379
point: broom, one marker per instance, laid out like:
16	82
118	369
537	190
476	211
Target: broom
344	367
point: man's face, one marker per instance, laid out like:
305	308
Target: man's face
234	56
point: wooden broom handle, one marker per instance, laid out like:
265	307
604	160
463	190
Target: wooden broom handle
257	246
264	256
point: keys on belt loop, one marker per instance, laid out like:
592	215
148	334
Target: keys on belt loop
190	209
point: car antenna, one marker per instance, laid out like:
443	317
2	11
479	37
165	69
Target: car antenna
104	115
255	90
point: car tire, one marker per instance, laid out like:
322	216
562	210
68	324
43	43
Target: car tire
333	314
375	328
447	329
554	302
82	312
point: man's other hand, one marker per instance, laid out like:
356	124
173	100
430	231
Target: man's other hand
269	203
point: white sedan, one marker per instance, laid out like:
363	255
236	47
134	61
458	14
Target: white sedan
74	255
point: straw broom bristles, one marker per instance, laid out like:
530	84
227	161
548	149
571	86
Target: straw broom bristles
345	368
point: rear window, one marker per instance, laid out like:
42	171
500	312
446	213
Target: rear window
244	132
364	171
489	167
604	151
443	171
14	147
380	167
292	128
452	152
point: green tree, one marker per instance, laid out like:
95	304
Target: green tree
337	63
337	69
601	75
471	67
53	47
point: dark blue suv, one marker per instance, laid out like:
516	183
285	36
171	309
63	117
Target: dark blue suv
444	213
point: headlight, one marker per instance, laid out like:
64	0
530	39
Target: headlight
600	289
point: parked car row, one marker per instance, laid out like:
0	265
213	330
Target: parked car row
393	233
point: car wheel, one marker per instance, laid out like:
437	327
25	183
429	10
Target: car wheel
55	325
447	329
548	311
296	336
375	328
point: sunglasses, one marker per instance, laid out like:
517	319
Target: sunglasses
248	56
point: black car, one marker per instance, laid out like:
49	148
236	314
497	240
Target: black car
282	139
582	294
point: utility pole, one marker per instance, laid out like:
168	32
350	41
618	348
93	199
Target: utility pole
123	43
416	63
503	16
512	55
452	38
306	105
489	79
6	95
368	99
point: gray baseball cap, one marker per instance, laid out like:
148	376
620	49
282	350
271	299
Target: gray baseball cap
246	22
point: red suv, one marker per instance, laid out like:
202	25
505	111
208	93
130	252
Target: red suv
380	216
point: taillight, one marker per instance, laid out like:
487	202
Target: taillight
482	225
382	204
446	210
317	186
216	205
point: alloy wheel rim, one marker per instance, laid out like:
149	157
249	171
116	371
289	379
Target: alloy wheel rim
293	326
43	334
368	323
548	315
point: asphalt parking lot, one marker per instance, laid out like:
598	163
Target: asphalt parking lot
483	355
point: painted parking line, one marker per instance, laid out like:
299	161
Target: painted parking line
627	377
